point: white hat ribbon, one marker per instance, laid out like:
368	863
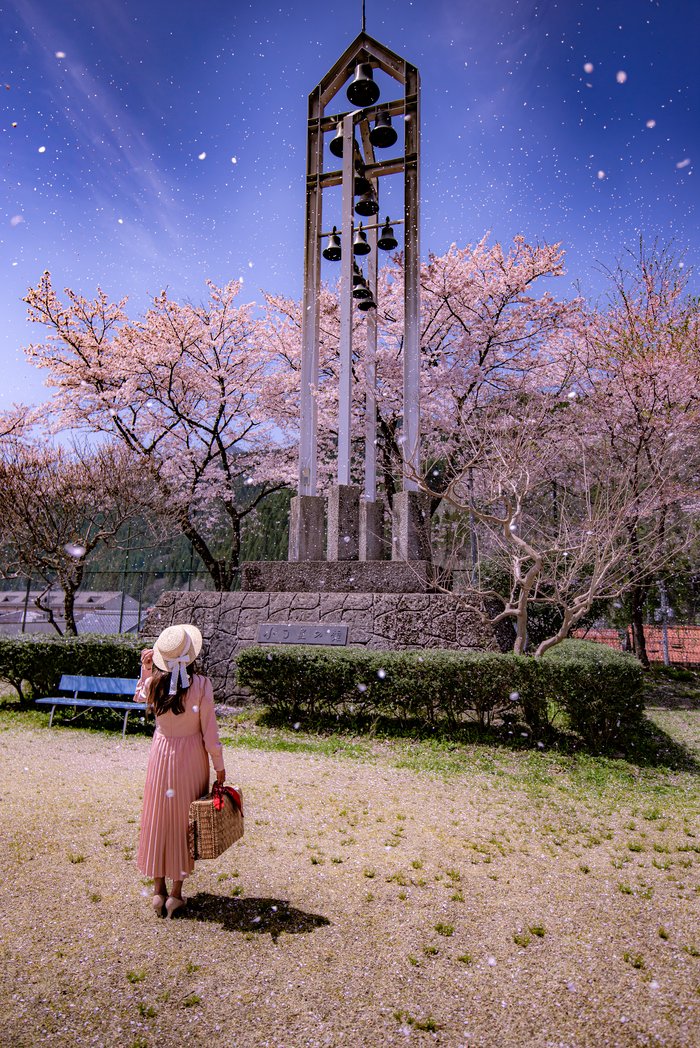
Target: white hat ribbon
178	668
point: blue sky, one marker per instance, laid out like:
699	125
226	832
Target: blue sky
157	145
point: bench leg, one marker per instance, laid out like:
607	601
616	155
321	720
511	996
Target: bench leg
126	714
76	715
53	710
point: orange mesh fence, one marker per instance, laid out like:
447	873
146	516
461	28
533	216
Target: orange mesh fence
683	642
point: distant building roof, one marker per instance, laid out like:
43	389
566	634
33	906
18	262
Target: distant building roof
108	622
96	611
84	599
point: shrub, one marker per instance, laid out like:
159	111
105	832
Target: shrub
428	686
598	688
37	660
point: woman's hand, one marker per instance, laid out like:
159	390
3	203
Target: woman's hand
147	661
220	776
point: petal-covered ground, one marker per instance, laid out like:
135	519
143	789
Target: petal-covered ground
389	893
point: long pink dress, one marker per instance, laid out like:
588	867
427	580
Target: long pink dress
177	773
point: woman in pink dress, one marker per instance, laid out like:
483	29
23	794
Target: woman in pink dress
185	738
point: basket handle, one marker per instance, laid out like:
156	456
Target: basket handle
219	791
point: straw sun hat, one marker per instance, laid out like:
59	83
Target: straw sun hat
175	649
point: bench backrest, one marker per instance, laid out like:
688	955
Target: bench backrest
99	685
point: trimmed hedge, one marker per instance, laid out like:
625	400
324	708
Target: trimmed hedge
33	663
427	686
598	689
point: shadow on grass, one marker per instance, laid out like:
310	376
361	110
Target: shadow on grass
672	688
24	712
647	745
651	746
255	915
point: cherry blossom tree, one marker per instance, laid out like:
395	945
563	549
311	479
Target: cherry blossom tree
14	428
483	331
59	504
553	507
583	480
181	388
14	424
642	368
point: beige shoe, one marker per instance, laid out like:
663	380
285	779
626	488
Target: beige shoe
158	903
173	904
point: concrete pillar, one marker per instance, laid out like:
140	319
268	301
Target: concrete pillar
410	526
306	533
344	522
371	530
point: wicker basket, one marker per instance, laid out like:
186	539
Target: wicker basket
211	832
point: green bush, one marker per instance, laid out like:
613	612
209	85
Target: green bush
429	686
33	663
598	689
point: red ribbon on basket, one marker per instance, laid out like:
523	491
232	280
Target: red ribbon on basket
219	791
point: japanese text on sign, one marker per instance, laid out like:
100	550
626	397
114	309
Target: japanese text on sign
301	633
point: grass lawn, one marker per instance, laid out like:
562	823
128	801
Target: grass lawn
387	891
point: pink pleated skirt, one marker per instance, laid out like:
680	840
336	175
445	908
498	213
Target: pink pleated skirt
177	774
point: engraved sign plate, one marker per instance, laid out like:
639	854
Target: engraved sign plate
302	633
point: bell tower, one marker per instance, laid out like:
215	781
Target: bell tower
336	587
364	140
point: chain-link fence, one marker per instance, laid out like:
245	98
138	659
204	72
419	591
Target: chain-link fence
107	601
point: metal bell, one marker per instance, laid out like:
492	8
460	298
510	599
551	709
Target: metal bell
363	91
362	184
333	252
383	134
367	303
360	245
336	146
359	287
367	205
387	241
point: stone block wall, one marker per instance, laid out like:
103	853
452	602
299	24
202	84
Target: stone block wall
383	621
346	576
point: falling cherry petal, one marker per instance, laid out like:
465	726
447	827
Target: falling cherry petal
74	549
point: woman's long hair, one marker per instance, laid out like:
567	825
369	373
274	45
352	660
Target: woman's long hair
158	693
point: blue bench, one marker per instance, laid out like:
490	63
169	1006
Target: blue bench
85	692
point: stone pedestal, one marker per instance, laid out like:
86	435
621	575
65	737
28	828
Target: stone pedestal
410	538
376	621
306	532
340	576
343	522
371	530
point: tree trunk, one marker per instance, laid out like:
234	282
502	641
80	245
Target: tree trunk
228	568
638	597
46	608
389	458
504	630
213	566
70	587
69	611
520	645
